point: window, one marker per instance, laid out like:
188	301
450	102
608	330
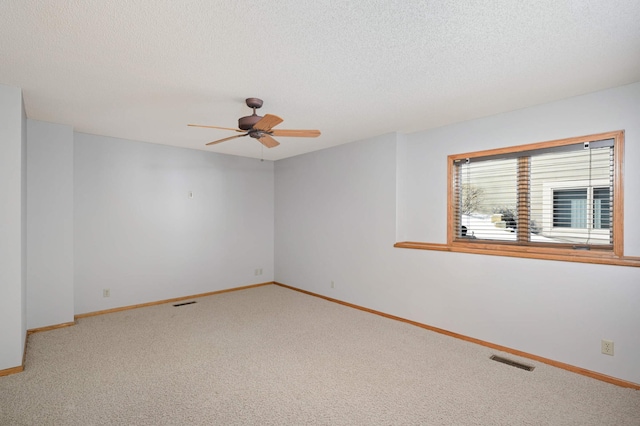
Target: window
570	208
602	208
547	197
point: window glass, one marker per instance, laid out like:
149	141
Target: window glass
488	199
558	194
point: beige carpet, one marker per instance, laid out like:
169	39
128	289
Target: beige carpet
273	356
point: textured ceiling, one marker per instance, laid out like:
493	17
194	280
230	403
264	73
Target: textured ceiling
353	69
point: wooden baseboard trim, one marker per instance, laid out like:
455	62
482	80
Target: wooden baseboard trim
13	370
50	327
161	302
568	367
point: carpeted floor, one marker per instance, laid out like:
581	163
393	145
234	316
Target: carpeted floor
273	356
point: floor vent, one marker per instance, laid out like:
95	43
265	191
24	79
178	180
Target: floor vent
185	303
512	363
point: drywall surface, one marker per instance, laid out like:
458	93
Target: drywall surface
50	224
12	216
336	221
140	235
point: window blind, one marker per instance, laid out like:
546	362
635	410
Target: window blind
555	195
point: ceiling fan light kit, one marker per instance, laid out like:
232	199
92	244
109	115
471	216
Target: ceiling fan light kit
260	128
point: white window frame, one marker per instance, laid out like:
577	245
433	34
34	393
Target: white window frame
547	209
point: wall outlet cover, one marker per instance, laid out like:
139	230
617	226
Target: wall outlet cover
607	347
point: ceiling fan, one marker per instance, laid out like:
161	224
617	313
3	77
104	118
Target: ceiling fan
260	128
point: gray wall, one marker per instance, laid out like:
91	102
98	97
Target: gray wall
50	224
12	227
339	211
138	233
23	219
107	213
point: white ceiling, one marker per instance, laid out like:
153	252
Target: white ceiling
142	70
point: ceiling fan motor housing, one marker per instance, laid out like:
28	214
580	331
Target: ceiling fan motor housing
246	123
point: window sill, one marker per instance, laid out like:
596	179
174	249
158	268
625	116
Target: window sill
566	255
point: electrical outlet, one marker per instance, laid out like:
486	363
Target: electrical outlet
607	347
258	271
333	285
106	292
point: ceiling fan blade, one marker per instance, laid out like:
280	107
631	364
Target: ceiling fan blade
215	127
226	139
268	141
297	133
267	122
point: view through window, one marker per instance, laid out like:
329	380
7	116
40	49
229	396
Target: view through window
552	194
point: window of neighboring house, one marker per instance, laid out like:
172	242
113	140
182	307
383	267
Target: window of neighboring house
571	208
602	208
564	194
